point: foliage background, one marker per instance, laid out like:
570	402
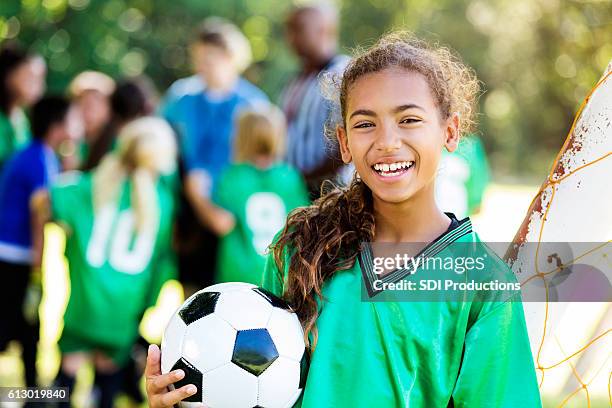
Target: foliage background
537	58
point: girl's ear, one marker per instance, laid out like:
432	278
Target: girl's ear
343	143
451	133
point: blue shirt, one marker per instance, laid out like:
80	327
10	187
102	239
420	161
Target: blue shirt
28	170
205	122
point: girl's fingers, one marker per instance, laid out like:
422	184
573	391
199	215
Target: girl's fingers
159	383
153	366
168	399
156	381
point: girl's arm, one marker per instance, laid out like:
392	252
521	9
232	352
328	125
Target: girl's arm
497	369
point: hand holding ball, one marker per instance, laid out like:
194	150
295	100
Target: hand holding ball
240	345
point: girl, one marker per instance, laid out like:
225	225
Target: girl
402	102
118	225
22	83
92	91
131	99
259	191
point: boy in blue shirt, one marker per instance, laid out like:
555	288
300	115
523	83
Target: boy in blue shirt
204	117
33	168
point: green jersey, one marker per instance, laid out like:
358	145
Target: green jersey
463	177
14	134
260	200
116	272
416	354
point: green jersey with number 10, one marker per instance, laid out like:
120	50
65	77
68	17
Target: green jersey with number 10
116	272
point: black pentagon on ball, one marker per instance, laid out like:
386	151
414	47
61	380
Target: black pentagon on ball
202	304
254	350
192	376
304	365
272	298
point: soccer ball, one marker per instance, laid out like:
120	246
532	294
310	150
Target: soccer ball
240	345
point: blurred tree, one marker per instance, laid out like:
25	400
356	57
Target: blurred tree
537	58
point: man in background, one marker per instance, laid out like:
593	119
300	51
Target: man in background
312	33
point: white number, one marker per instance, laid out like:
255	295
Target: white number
265	216
123	257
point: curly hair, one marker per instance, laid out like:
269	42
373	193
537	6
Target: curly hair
325	237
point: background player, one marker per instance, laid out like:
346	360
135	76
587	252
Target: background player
463	177
22	83
34	167
118	225
91	91
259	190
131	99
205	121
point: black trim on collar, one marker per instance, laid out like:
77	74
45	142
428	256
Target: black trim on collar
456	230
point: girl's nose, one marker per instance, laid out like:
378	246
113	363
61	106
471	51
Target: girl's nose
388	139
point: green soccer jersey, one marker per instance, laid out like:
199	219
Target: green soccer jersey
260	199
115	271
14	134
416	354
463	177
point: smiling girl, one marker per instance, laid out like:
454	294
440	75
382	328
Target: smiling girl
402	102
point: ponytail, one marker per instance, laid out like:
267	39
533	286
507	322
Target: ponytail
146	149
321	240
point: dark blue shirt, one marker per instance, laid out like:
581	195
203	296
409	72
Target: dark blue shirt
28	170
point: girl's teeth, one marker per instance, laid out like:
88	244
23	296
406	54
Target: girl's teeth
389	170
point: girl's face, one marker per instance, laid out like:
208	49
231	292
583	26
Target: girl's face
394	134
27	82
95	110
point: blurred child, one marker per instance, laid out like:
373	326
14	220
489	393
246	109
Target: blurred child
29	169
118	224
463	177
205	123
22	83
259	191
91	91
240	54
132	99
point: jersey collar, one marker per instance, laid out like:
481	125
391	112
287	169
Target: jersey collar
456	230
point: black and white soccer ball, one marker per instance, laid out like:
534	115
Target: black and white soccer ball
240	345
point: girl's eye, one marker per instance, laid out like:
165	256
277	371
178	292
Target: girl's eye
363	125
410	120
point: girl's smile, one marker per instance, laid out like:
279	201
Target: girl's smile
390	170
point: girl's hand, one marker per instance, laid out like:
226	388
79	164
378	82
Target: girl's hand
157	383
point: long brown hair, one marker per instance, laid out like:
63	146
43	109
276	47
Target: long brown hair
325	238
